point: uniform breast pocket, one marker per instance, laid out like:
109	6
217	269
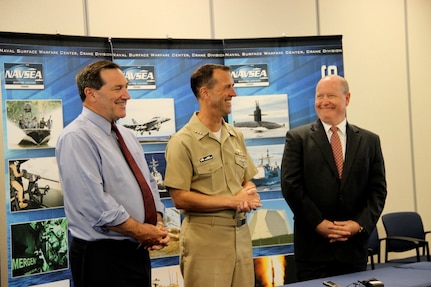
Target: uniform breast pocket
210	174
240	166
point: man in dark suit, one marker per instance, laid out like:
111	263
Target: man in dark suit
334	210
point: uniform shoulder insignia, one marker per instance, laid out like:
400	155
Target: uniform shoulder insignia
198	132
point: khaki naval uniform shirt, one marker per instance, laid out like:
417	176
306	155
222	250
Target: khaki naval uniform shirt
212	249
197	161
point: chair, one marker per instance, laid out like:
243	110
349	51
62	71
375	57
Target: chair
374	247
404	232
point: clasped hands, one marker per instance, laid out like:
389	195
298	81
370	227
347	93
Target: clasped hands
248	199
157	237
338	230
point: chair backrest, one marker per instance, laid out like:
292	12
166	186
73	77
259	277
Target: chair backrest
373	242
407	224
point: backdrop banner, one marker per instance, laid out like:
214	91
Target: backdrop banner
275	81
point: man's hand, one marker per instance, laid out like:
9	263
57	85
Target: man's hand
338	230
149	235
164	241
249	199
350	226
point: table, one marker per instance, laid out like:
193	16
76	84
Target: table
407	275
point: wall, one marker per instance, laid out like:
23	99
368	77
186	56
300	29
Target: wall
386	58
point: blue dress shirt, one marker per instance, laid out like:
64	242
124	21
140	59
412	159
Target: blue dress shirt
98	185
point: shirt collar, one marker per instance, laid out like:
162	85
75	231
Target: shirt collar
341	127
200	130
97	119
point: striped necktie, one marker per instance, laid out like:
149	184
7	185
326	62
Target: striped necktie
150	206
337	150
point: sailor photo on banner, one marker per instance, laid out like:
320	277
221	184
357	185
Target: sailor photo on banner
39	247
38	181
33	123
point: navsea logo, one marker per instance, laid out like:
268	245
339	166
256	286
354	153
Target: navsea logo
140	77
23	76
251	75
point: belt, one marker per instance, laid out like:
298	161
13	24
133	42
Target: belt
214	220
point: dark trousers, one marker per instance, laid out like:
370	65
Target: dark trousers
109	263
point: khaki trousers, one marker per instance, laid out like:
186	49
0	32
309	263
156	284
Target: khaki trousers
214	255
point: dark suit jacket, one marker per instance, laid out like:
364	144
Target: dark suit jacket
311	187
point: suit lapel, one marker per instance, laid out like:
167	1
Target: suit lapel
352	144
318	134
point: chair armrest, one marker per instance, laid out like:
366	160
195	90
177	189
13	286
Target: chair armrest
416	241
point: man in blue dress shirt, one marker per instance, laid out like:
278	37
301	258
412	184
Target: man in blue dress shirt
102	199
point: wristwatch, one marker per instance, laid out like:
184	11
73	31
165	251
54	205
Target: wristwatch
361	229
